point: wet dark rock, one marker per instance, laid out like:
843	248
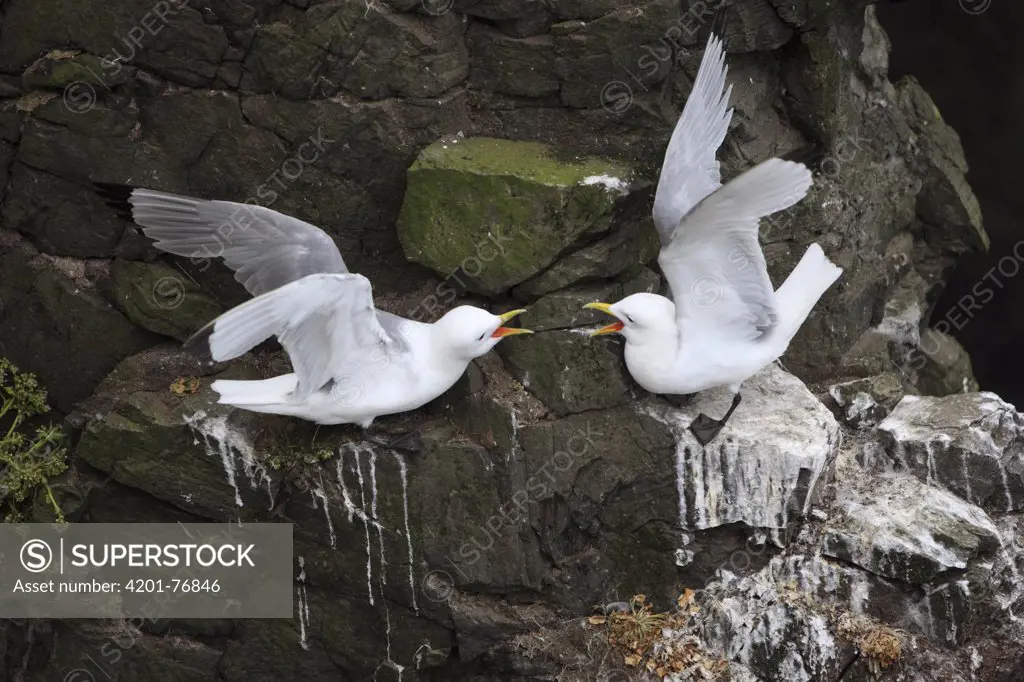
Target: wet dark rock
512	66
295	75
622	253
130	653
369	52
48	314
49	196
628	46
177	44
496	9
755	25
945	367
947	202
570	372
564	309
533	24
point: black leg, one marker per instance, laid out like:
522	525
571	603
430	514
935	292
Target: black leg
407	442
679	401
706	429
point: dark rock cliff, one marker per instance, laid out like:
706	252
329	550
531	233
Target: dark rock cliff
549	483
974	82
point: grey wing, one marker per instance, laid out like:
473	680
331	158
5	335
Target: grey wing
326	323
714	263
266	249
690	170
396	327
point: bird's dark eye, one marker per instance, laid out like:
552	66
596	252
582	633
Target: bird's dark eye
630	319
482	336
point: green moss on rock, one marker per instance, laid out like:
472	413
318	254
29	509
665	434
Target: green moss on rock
496	212
59	69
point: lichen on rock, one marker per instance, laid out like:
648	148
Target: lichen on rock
764	468
969	443
902	529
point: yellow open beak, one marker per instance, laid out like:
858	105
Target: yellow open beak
502	332
605	308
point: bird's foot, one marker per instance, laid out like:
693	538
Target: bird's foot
679	401
407	442
705	429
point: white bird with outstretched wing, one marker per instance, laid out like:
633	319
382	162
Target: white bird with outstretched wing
352	362
266	249
724	322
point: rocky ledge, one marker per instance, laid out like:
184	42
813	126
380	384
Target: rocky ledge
801	548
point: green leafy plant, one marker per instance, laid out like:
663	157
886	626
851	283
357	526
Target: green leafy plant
27	461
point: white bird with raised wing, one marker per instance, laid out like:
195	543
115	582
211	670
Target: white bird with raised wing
352	362
725	322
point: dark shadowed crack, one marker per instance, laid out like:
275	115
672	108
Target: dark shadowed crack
189	167
286	143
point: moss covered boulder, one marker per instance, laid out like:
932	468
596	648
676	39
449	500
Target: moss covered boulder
493	213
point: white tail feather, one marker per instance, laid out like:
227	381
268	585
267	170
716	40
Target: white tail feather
266	392
808	282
